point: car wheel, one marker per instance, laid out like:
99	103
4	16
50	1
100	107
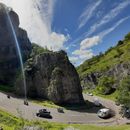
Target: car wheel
38	114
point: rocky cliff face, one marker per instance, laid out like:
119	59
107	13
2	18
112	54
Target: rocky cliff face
9	60
118	72
51	76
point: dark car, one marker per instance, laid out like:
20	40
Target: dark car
44	113
125	112
26	102
8	96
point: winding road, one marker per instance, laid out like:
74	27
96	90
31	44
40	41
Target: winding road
16	107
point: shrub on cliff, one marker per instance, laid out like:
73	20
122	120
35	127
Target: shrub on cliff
105	85
36	50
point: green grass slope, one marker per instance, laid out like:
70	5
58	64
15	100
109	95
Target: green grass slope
113	56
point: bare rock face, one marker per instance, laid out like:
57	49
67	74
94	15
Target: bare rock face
9	60
51	76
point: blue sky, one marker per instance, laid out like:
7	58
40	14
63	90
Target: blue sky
83	28
79	18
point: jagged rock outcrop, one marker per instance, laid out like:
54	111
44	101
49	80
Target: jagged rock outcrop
118	72
51	76
90	81
9	60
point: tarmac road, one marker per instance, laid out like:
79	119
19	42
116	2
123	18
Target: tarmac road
16	107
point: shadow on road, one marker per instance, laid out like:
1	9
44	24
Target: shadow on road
88	107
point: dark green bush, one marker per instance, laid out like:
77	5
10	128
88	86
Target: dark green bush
36	50
127	37
120	43
124	92
105	85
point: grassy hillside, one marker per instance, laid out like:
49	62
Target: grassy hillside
113	56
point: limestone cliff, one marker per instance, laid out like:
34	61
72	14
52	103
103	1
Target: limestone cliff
51	76
9	60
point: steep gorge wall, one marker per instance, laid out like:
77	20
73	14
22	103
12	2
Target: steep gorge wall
118	72
9	60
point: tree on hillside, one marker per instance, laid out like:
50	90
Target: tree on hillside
120	43
124	92
127	37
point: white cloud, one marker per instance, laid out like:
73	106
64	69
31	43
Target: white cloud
88	13
89	42
77	61
73	59
36	17
84	52
106	32
109	16
57	40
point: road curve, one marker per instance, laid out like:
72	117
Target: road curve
16	107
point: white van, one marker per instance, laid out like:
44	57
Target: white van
104	113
